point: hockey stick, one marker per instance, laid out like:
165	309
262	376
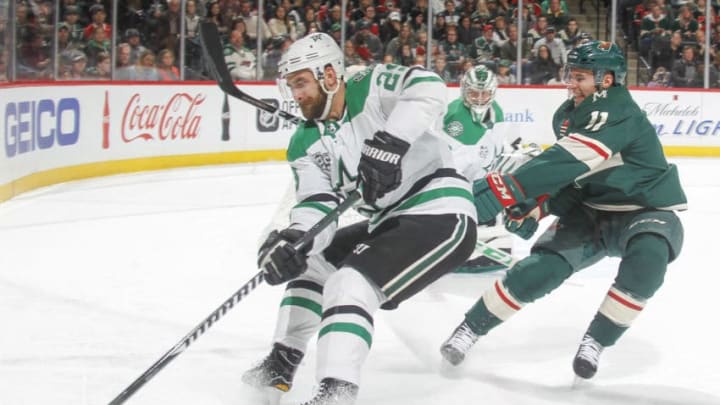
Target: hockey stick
229	303
212	47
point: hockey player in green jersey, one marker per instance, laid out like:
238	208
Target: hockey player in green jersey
614	194
482	142
380	133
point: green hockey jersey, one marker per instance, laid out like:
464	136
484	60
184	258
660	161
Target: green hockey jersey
609	150
324	155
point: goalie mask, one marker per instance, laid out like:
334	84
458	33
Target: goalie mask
478	88
313	52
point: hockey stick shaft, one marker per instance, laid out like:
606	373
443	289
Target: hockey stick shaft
228	304
212	47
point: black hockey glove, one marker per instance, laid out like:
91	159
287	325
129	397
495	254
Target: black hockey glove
379	170
279	260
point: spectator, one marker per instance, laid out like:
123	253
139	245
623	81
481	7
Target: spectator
395	45
367	44
193	49
661	78
508	50
481	14
454	51
34	60
214	15
63	39
97	15
371	18
685	23
272	54
484	48
72	15
700	44
251	23
529	18
391	27
98	43
351	57
556	16
570	34
665	53
123	56
503	72
466	32
653	27
132	38
336	33
442	70
500	34
450	14
439	31
101	70
686	71
240	60
538	31
543	67
281	24
555	45
78	64
167	71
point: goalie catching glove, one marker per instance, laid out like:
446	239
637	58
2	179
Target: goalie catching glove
279	260
494	193
379	170
523	219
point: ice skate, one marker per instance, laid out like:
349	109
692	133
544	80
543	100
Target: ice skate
457	345
334	392
276	370
586	360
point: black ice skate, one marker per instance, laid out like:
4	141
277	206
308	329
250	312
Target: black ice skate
587	358
457	345
276	370
334	392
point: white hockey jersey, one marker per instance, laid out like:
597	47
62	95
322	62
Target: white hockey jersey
408	103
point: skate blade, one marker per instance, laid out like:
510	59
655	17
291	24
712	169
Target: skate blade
579	383
272	395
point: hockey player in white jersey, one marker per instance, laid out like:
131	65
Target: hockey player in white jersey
483	142
382	133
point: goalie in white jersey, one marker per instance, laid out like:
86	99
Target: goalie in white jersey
382	133
482	142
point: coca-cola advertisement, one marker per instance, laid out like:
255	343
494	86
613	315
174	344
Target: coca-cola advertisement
155	117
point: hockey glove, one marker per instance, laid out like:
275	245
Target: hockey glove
379	170
523	219
495	192
279	260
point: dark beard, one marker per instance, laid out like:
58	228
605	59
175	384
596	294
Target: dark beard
314	110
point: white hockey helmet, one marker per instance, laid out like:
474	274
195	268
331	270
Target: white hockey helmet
478	87
313	52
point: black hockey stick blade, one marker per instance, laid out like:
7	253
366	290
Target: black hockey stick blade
228	304
212	47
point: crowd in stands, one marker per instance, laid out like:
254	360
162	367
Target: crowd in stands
670	36
464	33
148	32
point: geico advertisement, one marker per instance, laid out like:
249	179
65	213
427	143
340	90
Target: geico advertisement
42	129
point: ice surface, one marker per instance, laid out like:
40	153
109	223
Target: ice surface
99	278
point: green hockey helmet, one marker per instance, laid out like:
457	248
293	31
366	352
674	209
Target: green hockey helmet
599	57
478	87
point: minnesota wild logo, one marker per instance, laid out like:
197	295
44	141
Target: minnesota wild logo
604	46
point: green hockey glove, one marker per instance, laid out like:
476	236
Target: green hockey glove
523	219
